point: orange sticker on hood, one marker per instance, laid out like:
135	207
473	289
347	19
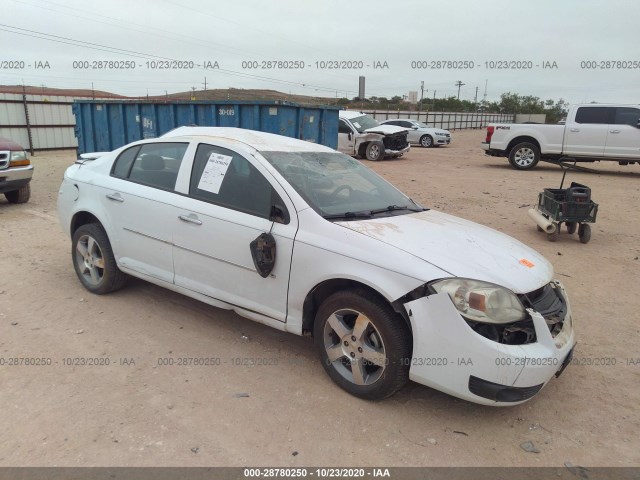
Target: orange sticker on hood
527	263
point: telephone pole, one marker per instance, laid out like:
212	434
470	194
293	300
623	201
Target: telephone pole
475	100
205	84
421	97
459	84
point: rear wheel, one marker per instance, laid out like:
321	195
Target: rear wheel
365	347
94	261
584	232
571	227
19	196
524	156
553	236
426	141
374	151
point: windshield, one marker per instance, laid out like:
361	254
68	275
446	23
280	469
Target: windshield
336	185
364	122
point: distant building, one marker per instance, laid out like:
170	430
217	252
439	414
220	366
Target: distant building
413	97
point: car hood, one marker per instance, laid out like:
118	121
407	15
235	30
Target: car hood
386	129
461	248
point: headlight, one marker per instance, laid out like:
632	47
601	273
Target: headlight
481	301
19	159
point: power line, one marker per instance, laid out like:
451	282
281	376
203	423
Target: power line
133	53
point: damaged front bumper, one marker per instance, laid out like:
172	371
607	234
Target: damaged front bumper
450	356
395	153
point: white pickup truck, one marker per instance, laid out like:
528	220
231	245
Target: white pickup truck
591	133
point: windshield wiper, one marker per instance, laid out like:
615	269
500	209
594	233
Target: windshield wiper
347	215
393	208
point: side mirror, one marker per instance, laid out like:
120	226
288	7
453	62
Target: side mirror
414	128
263	252
349	136
638	124
279	214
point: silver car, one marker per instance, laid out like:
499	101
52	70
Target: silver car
420	133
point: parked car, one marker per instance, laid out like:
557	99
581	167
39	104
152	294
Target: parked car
421	133
310	241
360	135
15	172
590	133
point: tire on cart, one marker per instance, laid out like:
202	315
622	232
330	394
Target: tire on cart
571	227
584	232
553	236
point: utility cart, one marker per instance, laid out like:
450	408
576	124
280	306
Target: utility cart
572	206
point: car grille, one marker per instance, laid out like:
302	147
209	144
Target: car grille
5	158
397	141
548	302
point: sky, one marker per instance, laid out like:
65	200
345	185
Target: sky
577	50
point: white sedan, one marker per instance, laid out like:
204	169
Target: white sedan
421	133
308	240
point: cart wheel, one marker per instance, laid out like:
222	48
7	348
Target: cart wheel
539	228
571	227
584	232
552	237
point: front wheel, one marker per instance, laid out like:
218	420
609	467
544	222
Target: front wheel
524	156
94	261
374	151
426	141
21	195
365	347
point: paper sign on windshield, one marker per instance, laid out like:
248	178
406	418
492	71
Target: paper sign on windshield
214	172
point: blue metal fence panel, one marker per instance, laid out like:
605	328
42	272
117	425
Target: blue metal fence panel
107	125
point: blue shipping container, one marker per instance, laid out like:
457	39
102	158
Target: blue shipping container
102	126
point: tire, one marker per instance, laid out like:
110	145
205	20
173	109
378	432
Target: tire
584	232
426	141
93	260
21	195
381	352
571	227
524	156
553	237
374	151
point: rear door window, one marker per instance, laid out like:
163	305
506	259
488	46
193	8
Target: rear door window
599	115
153	164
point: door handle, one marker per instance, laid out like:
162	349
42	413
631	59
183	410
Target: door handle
115	197
574	129
614	131
191	218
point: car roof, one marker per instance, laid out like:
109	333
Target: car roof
261	141
349	114
400	120
607	105
7	144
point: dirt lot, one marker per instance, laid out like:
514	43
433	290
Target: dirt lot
134	412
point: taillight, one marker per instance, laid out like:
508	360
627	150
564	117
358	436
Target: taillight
490	131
